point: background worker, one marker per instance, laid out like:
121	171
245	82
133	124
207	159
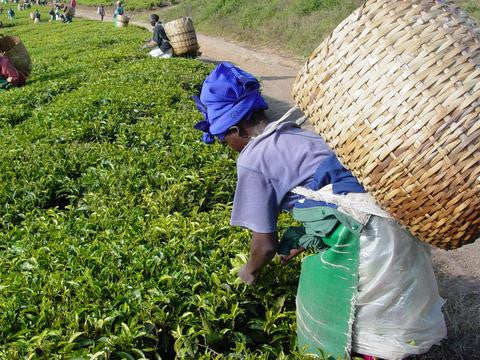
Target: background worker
119	11
159	41
36	16
101	12
52	14
369	287
11	14
9	75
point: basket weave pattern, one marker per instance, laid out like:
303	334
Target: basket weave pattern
182	36
395	91
13	48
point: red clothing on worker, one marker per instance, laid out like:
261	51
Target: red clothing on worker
8	70
73	3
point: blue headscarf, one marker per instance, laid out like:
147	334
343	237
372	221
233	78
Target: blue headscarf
228	96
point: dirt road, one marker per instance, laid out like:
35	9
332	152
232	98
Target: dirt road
458	271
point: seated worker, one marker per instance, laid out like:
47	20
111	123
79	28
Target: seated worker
36	16
369	287
159	41
52	14
9	75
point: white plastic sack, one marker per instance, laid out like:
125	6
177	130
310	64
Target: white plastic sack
156	52
398	308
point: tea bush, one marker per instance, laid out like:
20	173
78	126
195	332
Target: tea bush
114	234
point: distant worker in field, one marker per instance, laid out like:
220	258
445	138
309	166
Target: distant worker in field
9	75
368	289
101	12
52	14
11	14
159	41
119	11
36	16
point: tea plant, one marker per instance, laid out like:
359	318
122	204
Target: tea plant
114	233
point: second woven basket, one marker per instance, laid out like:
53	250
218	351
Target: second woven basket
182	36
13	48
395	91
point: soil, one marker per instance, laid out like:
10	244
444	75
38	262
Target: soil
458	271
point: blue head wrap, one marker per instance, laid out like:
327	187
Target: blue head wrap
228	96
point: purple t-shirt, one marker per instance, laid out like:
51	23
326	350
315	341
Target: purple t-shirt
268	168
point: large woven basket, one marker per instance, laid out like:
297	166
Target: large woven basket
182	36
13	48
395	91
70	11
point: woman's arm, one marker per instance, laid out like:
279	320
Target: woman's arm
262	250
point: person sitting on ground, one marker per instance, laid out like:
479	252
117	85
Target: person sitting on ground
59	14
159	41
9	75
36	16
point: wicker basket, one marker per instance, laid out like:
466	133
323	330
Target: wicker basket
32	16
182	36
70	11
395	91
13	48
122	20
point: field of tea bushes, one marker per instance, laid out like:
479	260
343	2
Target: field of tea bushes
114	235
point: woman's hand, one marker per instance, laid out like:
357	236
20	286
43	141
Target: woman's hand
293	253
247	276
263	248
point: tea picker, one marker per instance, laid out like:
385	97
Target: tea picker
159	43
394	120
276	158
9	75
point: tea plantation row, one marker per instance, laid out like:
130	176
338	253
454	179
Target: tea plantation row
114	235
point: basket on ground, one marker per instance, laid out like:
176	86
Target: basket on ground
70	11
182	36
395	91
13	48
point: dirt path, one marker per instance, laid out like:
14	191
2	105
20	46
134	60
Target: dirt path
458	271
